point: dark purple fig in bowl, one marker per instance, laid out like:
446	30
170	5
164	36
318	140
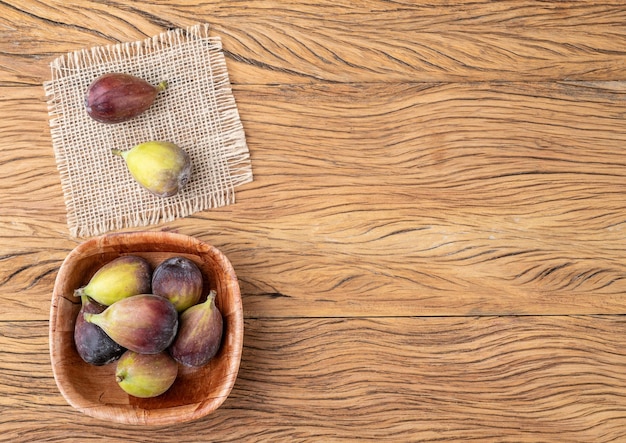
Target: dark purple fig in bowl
179	280
145	375
144	323
117	97
92	343
200	334
123	277
163	168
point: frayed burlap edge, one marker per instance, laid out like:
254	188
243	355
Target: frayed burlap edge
232	135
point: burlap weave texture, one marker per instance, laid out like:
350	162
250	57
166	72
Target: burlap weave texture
197	111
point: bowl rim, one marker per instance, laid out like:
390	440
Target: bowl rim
133	414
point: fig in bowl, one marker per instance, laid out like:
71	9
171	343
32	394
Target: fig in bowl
96	389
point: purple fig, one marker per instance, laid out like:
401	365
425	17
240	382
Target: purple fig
92	343
123	277
144	323
145	375
116	98
200	334
179	280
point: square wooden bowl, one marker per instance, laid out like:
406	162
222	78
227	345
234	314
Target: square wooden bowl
93	389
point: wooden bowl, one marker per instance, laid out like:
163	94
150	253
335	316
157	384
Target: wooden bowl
93	389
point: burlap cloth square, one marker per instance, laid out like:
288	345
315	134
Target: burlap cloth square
197	111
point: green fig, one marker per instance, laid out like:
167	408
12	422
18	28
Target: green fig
179	280
145	375
116	97
92	343
163	168
123	277
144	323
200	334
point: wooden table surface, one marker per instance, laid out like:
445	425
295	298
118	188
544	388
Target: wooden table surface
433	246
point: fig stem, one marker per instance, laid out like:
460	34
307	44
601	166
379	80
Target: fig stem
117	152
79	292
212	294
162	86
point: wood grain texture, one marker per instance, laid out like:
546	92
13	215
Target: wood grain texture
521	379
349	41
504	197
433	245
503	200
